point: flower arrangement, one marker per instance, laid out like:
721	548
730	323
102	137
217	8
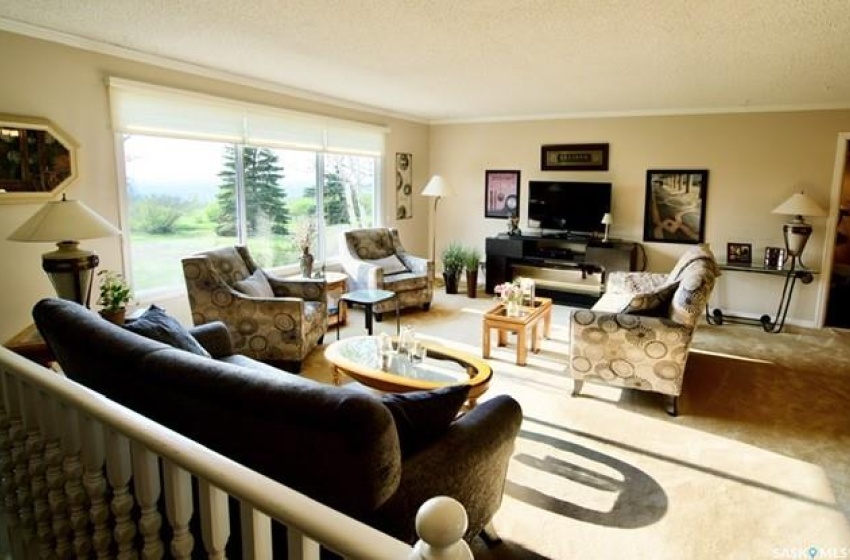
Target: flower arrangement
510	292
305	233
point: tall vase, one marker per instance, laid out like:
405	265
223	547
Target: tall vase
512	308
306	263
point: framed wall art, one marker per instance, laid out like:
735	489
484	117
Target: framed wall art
675	205
501	193
739	253
574	157
403	186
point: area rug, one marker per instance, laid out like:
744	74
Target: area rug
757	465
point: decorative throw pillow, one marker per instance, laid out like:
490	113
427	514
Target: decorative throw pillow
256	285
423	416
391	265
155	323
654	304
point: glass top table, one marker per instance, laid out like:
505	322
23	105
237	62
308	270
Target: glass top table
360	358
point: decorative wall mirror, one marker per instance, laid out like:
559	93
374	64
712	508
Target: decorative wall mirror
37	159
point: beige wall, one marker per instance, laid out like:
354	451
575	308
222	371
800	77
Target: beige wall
755	162
67	86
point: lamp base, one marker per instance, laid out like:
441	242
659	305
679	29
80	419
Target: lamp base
797	234
70	270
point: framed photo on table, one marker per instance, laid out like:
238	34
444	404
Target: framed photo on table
501	193
739	253
675	205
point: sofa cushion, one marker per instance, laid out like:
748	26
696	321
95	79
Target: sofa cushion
256	285
156	324
391	265
655	303
423	416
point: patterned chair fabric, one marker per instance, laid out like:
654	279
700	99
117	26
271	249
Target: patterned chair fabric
637	351
358	247
282	329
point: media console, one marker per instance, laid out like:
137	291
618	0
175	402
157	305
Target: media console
567	269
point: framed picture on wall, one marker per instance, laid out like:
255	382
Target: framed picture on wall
675	205
403	186
501	193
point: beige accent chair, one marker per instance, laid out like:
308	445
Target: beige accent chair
639	333
375	259
270	319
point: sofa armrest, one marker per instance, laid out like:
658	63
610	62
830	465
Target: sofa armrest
214	337
469	463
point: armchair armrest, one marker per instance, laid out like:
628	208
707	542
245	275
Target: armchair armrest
214	337
417	265
634	282
630	351
310	289
477	449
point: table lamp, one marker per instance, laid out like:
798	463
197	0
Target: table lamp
437	188
797	231
64	222
606	220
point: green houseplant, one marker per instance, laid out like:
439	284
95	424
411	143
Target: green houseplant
452	258
471	262
115	294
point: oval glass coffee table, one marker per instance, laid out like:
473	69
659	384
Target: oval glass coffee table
359	357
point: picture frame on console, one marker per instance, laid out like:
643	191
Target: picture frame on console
501	193
674	211
574	157
739	253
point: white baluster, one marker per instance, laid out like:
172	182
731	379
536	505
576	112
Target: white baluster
36	466
178	506
49	413
256	533
118	471
146	484
301	547
441	523
215	520
76	495
7	466
23	497
95	485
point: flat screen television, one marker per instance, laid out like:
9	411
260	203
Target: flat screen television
568	206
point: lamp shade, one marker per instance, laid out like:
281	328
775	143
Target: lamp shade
65	222
606	219
800	205
438	187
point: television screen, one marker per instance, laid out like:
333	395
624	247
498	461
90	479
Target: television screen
568	206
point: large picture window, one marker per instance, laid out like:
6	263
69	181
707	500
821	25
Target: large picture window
188	190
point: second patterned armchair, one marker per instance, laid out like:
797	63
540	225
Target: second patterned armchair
270	319
375	259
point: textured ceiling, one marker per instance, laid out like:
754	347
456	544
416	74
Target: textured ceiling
443	60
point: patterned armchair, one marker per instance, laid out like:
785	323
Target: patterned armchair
638	334
270	319
375	259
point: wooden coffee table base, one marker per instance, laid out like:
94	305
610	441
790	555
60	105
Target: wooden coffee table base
529	319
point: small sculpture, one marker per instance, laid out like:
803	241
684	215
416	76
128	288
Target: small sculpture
513	225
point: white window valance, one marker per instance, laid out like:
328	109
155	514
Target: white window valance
140	108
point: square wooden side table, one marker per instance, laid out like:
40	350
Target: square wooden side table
29	344
528	319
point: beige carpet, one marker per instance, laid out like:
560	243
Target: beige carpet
757	465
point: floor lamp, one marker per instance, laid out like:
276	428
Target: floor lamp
437	188
64	222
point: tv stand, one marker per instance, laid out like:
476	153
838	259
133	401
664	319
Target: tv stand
568	269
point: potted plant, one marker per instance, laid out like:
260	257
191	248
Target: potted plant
471	262
452	258
115	293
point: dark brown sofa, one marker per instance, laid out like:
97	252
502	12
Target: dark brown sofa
337	445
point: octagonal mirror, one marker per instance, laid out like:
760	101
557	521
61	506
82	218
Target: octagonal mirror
37	159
